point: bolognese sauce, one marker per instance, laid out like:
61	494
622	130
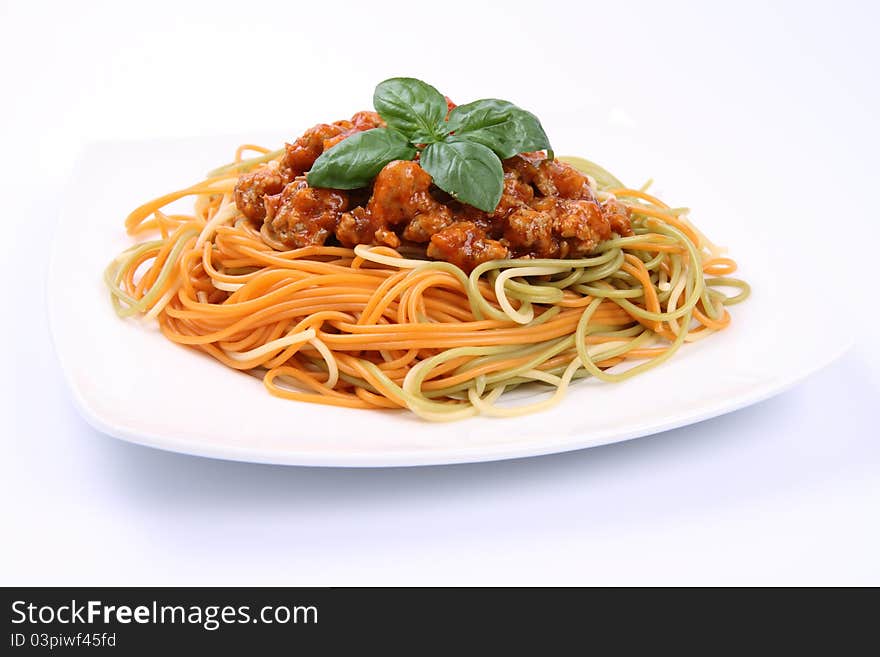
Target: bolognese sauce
548	209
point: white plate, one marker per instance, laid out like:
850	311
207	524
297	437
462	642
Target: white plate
129	382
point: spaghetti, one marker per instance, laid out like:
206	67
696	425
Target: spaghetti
380	328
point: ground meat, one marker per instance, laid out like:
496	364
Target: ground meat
367	121
567	181
561	218
466	245
618	217
492	226
553	227
547	208
425	224
298	158
301	155
526	169
531	232
401	195
253	187
549	177
579	220
304	216
359	122
517	193
359	227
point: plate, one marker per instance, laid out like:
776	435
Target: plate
131	383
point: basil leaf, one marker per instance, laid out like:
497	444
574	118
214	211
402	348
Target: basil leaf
479	114
499	125
356	160
414	107
468	171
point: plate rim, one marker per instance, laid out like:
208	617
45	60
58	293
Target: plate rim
421	458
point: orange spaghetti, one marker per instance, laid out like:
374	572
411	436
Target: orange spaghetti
382	328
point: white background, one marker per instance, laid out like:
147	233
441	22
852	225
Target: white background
787	491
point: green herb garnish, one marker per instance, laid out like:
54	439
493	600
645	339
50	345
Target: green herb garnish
463	155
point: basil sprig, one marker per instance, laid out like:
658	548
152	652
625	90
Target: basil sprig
462	155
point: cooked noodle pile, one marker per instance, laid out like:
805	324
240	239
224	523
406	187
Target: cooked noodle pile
373	327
